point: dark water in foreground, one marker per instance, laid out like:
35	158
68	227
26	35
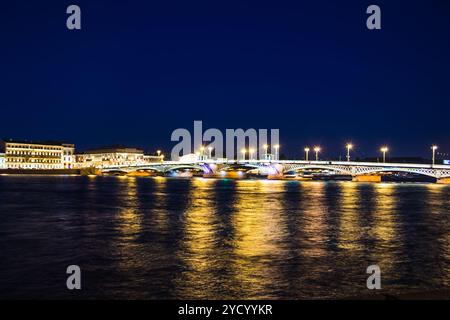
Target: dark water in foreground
203	238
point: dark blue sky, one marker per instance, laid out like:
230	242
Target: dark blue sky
140	69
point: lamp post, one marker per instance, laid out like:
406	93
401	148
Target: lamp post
317	150
266	147
243	153
277	147
210	152
433	148
251	150
349	147
158	152
306	153
384	150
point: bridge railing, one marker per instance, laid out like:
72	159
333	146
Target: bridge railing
268	162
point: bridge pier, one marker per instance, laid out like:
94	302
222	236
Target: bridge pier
367	178
277	176
140	174
443	180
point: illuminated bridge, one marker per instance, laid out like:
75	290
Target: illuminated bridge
360	171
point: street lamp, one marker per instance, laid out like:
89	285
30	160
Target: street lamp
317	150
349	147
306	153
251	150
243	153
433	148
384	150
158	152
210	152
277	146
201	153
266	146
162	158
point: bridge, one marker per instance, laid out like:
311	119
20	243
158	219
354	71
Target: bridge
360	171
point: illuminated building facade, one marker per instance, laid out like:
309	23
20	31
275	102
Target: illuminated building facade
2	161
149	158
114	156
68	157
37	155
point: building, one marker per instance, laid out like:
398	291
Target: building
68	156
37	155
110	156
150	158
2	161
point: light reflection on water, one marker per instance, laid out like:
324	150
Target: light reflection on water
259	239
205	238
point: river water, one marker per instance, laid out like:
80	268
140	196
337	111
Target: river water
168	238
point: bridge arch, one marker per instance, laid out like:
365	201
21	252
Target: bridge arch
365	170
317	166
424	172
131	169
115	171
183	166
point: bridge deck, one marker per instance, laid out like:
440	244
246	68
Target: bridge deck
283	162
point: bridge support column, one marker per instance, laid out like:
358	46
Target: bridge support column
443	181
367	178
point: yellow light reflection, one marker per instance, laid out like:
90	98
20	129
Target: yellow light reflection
159	214
384	225
439	209
384	229
129	225
446	240
349	235
313	226
198	246
129	218
259	232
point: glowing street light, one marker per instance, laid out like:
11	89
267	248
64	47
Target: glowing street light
434	148
158	152
251	150
210	152
277	147
162	158
317	150
243	153
266	147
306	153
202	149
384	150
349	147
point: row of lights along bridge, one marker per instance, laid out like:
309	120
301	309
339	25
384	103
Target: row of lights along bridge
316	149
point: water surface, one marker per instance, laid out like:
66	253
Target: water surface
158	238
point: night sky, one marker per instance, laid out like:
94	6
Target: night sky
140	69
